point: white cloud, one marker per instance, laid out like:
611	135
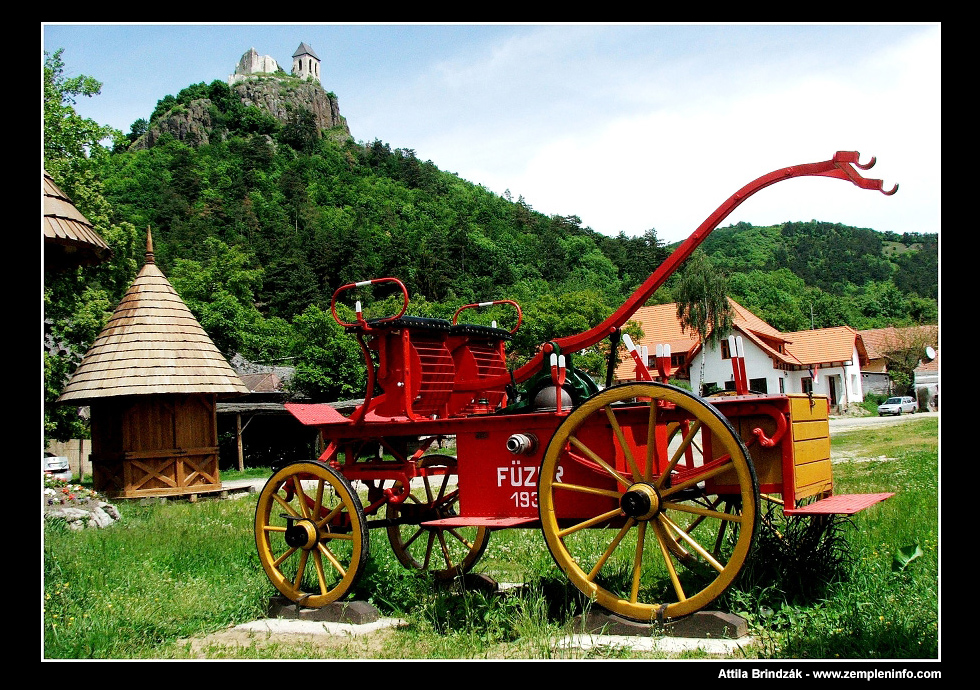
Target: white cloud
700	138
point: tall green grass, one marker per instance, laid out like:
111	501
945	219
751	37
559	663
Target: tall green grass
167	572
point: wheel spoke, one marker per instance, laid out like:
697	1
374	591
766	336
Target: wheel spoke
709	471
460	538
618	431
624	530
679	453
285	506
321	577
326	519
429	543
704	512
415	535
289	552
651	441
334	561
722	528
598	519
301	568
319	500
638	561
671	571
445	549
301	499
599	461
582	489
671	526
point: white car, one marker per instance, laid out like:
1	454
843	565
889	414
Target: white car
56	466
897	405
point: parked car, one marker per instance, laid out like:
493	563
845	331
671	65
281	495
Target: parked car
56	466
897	405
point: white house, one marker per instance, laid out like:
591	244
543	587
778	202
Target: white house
825	361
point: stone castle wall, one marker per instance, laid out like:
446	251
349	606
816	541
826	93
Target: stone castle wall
253	63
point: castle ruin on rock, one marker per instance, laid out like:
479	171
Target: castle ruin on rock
306	65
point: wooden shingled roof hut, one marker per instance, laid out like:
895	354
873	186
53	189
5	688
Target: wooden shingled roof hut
152	379
69	238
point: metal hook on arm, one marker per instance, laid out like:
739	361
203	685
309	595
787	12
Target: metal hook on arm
843	160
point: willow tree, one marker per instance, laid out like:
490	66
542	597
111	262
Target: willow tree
702	303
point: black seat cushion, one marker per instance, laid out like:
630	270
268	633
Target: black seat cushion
475	331
410	322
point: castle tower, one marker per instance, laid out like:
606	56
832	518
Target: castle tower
306	63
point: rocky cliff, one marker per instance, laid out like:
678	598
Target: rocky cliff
193	124
280	97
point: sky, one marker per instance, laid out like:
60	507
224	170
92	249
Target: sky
630	127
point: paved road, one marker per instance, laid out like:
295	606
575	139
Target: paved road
852	423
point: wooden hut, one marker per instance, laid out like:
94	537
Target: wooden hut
152	379
69	238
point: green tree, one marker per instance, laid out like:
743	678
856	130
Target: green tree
220	292
329	363
777	297
702	302
70	139
77	302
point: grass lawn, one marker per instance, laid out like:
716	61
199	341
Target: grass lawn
166	573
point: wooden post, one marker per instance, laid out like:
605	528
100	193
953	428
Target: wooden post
238	438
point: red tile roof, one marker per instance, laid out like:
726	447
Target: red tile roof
823	346
880	341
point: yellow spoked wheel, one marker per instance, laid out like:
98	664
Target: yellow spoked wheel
311	533
446	552
648	501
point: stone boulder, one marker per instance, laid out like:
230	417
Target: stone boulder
78	507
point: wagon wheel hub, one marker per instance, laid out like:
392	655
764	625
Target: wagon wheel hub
302	534
641	501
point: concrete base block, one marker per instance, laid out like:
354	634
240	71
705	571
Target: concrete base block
703	624
354	612
480	582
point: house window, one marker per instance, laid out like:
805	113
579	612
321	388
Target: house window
759	385
725	352
782	386
807	384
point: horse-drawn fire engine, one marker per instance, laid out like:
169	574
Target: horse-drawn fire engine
648	496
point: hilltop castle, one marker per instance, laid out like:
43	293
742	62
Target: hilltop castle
306	65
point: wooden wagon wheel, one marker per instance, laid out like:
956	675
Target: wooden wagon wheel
677	532
446	552
311	533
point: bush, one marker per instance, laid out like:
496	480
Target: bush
872	400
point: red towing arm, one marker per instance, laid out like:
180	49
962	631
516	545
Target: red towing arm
841	166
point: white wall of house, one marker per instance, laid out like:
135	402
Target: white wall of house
843	381
719	371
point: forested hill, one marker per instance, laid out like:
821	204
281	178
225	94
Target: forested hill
313	209
830	256
799	275
257	217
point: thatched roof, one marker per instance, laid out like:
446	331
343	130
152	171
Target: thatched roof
152	345
69	238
